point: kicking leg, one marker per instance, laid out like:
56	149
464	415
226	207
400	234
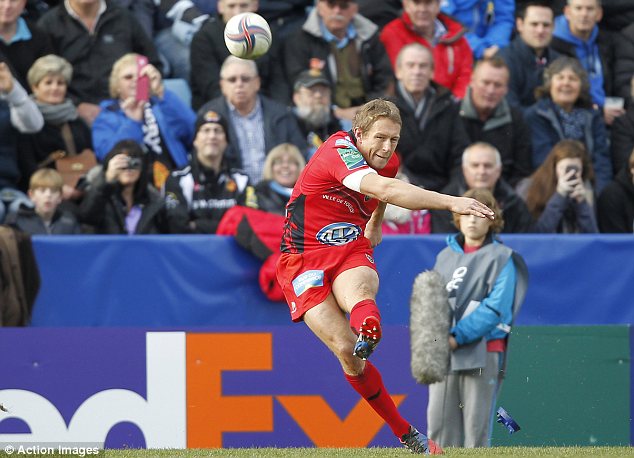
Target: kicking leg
328	322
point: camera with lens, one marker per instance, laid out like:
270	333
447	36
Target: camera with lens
134	163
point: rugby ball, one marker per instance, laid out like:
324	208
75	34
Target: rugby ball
248	36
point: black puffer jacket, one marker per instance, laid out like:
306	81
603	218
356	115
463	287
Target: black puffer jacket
624	63
622	140
103	208
615	206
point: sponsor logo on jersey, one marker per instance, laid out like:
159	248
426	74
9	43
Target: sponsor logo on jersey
339	200
337	234
307	280
349	154
370	258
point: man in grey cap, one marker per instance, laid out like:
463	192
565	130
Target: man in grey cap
312	96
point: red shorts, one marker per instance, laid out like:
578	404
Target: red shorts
306	278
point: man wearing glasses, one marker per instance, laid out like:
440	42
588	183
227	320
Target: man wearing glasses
256	122
338	41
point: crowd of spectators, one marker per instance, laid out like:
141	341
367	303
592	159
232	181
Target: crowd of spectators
532	100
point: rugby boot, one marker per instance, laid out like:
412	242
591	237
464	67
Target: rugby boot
417	442
369	337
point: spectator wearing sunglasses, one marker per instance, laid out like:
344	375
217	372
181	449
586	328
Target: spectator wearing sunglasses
256	123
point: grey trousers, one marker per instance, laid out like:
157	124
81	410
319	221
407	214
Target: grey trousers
460	408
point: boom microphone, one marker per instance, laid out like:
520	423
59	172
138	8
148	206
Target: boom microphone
429	328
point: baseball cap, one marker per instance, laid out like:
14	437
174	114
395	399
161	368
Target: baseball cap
310	78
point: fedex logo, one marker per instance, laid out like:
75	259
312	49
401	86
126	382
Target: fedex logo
187	404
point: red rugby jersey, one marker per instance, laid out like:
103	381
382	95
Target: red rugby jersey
322	212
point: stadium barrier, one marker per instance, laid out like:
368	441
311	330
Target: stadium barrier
277	386
209	280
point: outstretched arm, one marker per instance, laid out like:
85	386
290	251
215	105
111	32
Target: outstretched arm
397	192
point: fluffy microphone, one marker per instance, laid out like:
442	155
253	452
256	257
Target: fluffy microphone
429	328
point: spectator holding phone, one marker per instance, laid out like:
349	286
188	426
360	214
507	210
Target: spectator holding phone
141	109
120	199
559	194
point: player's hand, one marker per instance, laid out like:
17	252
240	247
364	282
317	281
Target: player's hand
469	206
373	234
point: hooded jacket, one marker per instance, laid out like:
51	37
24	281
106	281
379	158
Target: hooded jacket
596	55
615	205
489	22
452	55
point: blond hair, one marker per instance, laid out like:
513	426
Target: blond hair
123	61
276	153
46	178
372	111
49	65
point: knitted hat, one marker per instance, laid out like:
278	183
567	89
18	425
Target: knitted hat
211	116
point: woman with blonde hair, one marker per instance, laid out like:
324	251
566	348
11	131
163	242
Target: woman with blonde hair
147	113
564	111
559	194
282	167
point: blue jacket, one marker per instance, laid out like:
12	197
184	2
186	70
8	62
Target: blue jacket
547	132
588	54
175	120
490	22
494	309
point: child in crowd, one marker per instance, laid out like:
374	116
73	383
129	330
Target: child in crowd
45	191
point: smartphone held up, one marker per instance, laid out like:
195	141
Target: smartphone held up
143	80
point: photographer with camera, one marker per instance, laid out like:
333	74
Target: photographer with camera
120	200
559	194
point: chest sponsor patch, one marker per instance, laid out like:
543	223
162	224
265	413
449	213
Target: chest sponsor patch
307	280
337	234
349	154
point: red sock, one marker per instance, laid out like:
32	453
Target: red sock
370	386
361	311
